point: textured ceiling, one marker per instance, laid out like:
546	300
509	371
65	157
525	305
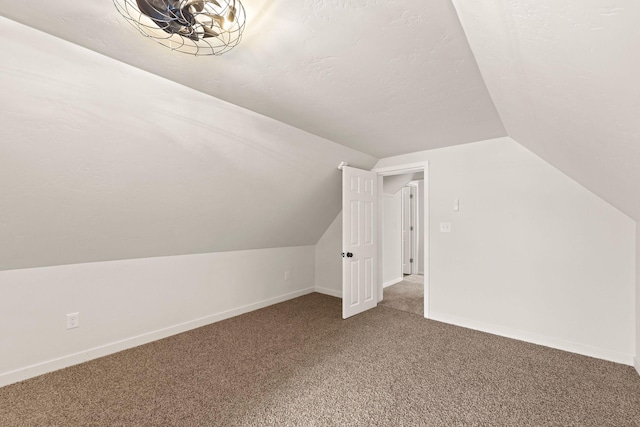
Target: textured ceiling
383	77
564	78
103	161
89	172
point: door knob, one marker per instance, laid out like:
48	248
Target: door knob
349	255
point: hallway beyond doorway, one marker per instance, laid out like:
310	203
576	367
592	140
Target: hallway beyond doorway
407	295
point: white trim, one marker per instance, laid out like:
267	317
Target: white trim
427	241
636	364
401	169
392	282
27	372
330	292
381	243
557	343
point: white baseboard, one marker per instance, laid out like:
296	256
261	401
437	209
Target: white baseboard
392	282
338	294
330	292
22	374
636	364
559	344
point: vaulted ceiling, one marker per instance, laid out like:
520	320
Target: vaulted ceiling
383	77
564	78
100	161
110	162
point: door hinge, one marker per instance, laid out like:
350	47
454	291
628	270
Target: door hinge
411	196
412	228
410	259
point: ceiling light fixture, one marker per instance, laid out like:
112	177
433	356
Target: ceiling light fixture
197	27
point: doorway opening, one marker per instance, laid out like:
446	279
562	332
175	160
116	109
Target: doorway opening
403	229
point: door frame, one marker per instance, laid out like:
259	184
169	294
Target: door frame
399	170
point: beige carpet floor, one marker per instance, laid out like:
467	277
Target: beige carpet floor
407	295
298	364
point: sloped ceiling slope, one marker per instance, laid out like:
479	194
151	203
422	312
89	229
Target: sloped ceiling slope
383	77
102	161
564	76
393	183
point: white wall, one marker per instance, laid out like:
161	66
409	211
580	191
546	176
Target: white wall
391	238
101	161
126	303
532	254
564	78
329	260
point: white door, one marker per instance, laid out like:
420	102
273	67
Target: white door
407	230
359	240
